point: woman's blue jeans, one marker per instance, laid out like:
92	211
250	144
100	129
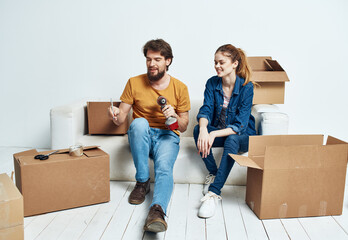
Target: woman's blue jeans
231	144
160	145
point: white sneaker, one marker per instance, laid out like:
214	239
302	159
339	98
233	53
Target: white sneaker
209	179
209	202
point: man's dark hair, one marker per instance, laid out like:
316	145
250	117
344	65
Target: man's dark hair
159	45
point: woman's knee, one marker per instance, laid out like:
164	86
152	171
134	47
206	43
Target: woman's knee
232	143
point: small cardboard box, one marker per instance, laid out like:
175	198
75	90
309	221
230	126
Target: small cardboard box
99	121
11	210
270	77
62	181
12	233
295	175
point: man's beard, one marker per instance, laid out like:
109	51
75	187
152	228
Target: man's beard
155	78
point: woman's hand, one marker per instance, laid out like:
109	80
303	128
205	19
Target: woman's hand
205	141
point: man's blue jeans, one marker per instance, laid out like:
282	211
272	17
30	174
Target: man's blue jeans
232	144
160	145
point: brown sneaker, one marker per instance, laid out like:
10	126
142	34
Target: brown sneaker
155	220
137	196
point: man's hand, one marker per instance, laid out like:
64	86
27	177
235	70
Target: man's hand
113	113
168	111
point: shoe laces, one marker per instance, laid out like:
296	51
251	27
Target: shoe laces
209	179
140	185
159	209
210	195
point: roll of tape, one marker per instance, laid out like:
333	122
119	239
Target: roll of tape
76	151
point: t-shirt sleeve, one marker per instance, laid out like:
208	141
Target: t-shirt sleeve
127	95
184	100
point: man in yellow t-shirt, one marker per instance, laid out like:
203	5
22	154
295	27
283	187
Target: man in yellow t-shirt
148	134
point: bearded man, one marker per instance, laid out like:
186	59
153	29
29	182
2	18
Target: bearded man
148	135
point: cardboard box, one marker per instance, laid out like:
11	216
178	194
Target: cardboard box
270	77
11	210
99	121
12	233
295	175
62	181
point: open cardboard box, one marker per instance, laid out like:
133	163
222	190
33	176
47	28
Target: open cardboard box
270	77
295	175
62	181
11	210
99	121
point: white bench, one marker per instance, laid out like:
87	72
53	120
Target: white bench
69	127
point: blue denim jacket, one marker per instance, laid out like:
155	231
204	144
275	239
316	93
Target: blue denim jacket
238	115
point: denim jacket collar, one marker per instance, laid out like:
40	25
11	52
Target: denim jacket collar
237	85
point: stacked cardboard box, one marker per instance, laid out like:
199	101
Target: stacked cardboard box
11	210
62	181
270	77
295	175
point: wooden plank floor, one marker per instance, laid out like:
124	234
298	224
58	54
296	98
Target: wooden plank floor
118	219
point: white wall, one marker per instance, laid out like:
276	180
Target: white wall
56	52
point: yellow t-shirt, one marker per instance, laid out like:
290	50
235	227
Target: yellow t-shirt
143	98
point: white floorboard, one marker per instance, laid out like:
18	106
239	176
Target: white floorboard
57	225
38	225
275	229
79	222
103	216
294	229
215	225
118	219
135	226
232	197
322	228
195	226
254	227
177	220
161	235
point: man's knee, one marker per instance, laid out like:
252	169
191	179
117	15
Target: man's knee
139	125
163	169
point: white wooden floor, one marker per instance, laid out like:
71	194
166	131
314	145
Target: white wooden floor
118	219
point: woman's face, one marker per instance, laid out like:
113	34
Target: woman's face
224	65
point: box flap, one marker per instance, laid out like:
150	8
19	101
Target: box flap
305	156
244	161
30	160
332	140
274	65
269	76
94	152
257	144
89	151
66	150
258	63
25	153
